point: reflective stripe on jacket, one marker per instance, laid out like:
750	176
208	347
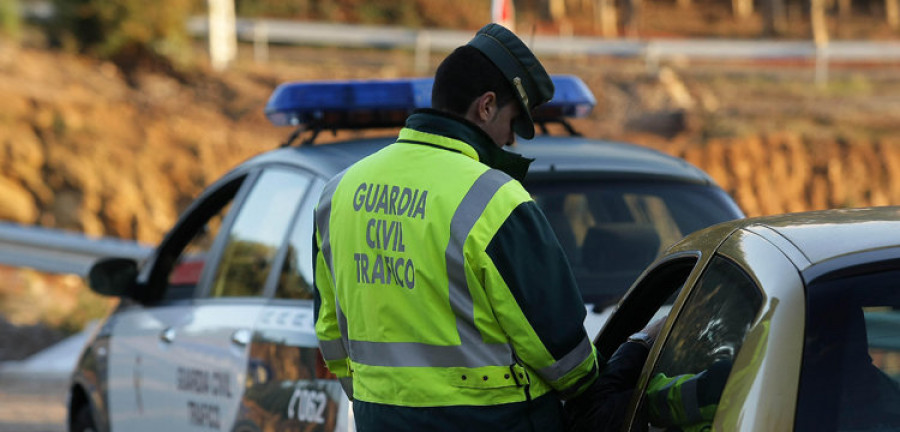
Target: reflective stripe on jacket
674	402
439	281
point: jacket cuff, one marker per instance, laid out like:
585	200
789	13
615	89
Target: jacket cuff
580	377
340	368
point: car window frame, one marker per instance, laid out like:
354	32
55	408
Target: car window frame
309	202
231	188
207	279
645	298
201	292
782	289
687	306
204	284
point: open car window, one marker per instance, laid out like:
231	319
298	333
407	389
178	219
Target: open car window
687	381
650	299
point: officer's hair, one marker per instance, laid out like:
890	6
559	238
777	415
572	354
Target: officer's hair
465	75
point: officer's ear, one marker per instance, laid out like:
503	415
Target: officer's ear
484	108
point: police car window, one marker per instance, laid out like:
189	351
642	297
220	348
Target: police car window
185	272
611	230
258	232
850	374
295	280
687	381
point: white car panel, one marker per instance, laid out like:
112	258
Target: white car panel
179	367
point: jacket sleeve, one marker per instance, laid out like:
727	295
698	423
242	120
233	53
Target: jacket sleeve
545	317
603	406
326	313
688	401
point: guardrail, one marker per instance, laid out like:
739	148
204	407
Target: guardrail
58	251
262	32
361	36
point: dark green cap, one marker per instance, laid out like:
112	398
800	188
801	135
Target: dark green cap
531	84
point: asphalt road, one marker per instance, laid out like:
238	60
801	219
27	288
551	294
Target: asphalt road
33	391
29	404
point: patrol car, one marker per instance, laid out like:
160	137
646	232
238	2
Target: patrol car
801	308
214	331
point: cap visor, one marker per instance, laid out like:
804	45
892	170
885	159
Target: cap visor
523	126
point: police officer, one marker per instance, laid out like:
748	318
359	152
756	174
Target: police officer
444	300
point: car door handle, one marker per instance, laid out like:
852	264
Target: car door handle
241	337
167	335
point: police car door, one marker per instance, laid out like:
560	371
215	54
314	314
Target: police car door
186	366
288	384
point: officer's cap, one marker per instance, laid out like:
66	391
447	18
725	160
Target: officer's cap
531	84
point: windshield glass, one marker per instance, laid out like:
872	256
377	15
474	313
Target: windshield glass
851	354
611	230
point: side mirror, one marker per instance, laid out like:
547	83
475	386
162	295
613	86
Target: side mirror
114	277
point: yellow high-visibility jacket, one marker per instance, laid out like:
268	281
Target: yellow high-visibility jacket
439	280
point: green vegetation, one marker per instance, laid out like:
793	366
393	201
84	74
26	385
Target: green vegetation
407	13
125	31
10	23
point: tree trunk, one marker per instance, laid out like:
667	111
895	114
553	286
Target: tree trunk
742	9
605	18
820	37
819	24
773	17
631	16
892	10
845	8
557	9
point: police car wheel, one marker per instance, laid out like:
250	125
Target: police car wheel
245	426
83	421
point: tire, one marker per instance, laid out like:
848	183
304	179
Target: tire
245	426
83	421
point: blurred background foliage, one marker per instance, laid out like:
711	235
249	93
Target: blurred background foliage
10	23
134	31
131	33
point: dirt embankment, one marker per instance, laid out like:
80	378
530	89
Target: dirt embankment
83	148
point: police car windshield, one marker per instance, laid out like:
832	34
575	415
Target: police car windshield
611	230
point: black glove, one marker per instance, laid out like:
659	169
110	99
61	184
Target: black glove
602	406
712	382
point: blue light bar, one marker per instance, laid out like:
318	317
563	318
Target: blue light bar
387	103
571	98
348	104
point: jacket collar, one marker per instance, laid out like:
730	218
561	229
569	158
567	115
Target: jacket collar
458	128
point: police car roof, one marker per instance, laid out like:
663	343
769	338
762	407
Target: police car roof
576	157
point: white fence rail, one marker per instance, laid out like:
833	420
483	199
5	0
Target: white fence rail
360	36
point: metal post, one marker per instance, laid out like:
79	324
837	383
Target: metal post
651	58
222	33
423	52
260	42
821	66
821	39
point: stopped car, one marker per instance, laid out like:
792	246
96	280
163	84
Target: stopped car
802	307
214	331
